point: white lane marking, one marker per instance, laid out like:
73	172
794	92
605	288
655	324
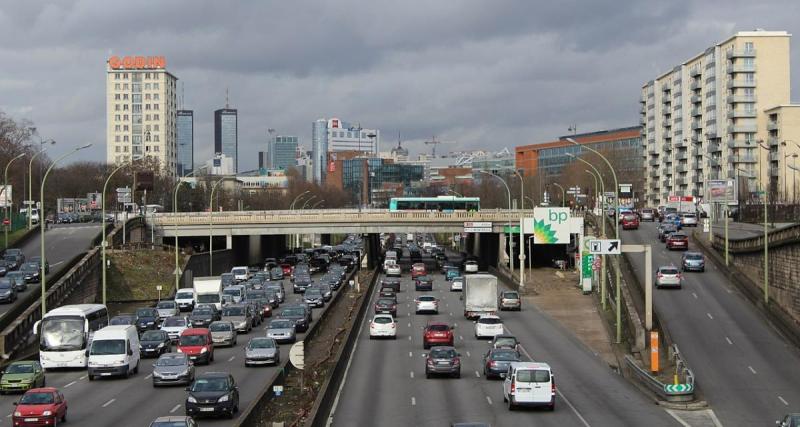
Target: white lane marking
413	401
751	369
70	384
694	295
729	340
455	325
82	378
148	376
56	263
477	375
489	399
231	358
468	355
174	409
109	402
409	324
709	316
783	401
461	338
558	390
409	337
410	354
412	374
677	418
451	313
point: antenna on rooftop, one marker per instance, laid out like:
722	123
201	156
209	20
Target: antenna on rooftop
226	97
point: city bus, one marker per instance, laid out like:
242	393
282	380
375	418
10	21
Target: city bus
65	332
440	204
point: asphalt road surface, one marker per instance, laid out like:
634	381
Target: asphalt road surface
747	372
62	243
386	385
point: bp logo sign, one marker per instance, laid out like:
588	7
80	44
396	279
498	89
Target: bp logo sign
548	226
678	388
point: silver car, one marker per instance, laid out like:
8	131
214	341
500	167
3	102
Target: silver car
510	300
223	332
167	309
262	351
241	315
689	220
173	368
282	330
668	277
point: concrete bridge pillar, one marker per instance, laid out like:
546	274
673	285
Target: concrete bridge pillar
228	241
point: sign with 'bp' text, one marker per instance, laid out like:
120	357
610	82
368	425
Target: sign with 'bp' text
548	226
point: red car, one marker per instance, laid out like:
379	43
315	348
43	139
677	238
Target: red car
287	269
678	241
197	344
630	222
40	407
437	333
418	269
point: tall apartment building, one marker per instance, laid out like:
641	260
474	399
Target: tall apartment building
141	111
185	139
281	152
226	134
706	118
319	150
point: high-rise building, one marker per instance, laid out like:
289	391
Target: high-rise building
184	125
706	119
226	134
141	111
319	149
282	152
344	136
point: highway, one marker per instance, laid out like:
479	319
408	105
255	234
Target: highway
386	385
135	402
746	371
63	242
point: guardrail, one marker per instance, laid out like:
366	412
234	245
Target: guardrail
681	392
778	237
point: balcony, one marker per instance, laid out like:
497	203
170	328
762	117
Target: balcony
651	106
654	162
773	141
652	152
695	85
651	131
642	120
667	146
696	99
666	183
654	174
654	186
774	156
713	147
677	81
680	181
698	179
772	125
774	171
742	128
642	98
744	159
714	175
697	166
666	101
740	53
697	112
741	68
736	83
681	155
733	174
739	143
737	114
666	124
733	99
695	71
697	124
679	143
681	168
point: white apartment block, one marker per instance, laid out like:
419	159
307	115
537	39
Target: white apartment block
141	111
707	119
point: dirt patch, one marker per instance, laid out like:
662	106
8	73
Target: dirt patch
134	274
300	389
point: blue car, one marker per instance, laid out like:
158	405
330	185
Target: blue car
452	273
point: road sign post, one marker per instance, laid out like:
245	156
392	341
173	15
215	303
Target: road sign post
605	246
654	352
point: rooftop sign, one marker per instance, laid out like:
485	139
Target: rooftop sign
137	62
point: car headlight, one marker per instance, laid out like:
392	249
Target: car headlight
47	413
17	413
184	373
161	345
179	350
191	399
203	350
224	398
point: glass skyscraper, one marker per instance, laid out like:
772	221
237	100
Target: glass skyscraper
184	125
226	134
319	150
282	152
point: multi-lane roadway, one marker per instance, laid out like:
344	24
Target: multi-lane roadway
746	371
62	243
385	383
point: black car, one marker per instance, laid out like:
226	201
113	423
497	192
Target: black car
32	272
386	305
212	393
202	316
423	283
443	360
301	282
7	292
391	282
13	261
300	314
3	268
38	260
146	319
154	343
123	319
497	360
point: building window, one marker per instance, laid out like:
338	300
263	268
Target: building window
125	107
116	128
147	148
125	117
117	139
116	117
156	148
116	97
125	97
155	86
125	128
116	86
147	86
117	107
156	117
147	96
125	138
155	138
147	117
155	128
147	106
116	76
155	96
748	47
125	76
155	106
124	86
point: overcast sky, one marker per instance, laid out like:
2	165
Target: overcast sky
478	74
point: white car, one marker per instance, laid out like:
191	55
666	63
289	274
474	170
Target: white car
689	220
392	269
167	308
457	284
471	267
173	326
382	325
427	303
488	326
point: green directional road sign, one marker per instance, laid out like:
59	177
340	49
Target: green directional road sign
513	229
678	388
586	266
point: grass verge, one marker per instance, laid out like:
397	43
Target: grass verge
134	274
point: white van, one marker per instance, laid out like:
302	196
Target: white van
185	299
114	351
240	273
529	384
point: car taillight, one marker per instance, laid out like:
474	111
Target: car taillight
457	361
492	363
659	275
430	362
553	387
513	387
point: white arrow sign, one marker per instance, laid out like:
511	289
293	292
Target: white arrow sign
605	247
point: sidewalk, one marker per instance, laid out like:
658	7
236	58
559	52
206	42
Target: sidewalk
555	293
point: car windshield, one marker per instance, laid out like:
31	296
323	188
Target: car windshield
166	304
220	327
121	320
504	355
427	299
5	285
533	376
233	311
313	293
281	324
232	291
694	256
511	295
173	322
490	321
208	298
239	271
37	399
678	236
294	311
383	320
261	343
442	353
31	266
505	342
384	301
171	360
62	333
168	424
144	312
438	328
193	340
210	384
202	312
20	368
184	295
669	271
107	347
152	336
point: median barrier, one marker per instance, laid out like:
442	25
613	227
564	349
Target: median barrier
681	392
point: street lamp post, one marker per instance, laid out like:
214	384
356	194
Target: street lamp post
563	193
42	221
30	186
103	225
533	205
616	235
8	199
317	203
596	185
291	206
794	176
175	211
211	228
521	190
510	233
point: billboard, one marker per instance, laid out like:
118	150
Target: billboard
721	191
5	196
548	226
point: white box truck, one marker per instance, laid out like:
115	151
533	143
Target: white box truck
208	290
480	295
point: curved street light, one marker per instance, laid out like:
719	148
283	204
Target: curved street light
43	222
313	196
510	235
211	228
521	190
317	203
8	199
175	211
563	193
291	206
30	185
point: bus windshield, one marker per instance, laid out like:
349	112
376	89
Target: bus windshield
62	334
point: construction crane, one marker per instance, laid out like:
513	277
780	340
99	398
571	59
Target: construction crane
434	142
